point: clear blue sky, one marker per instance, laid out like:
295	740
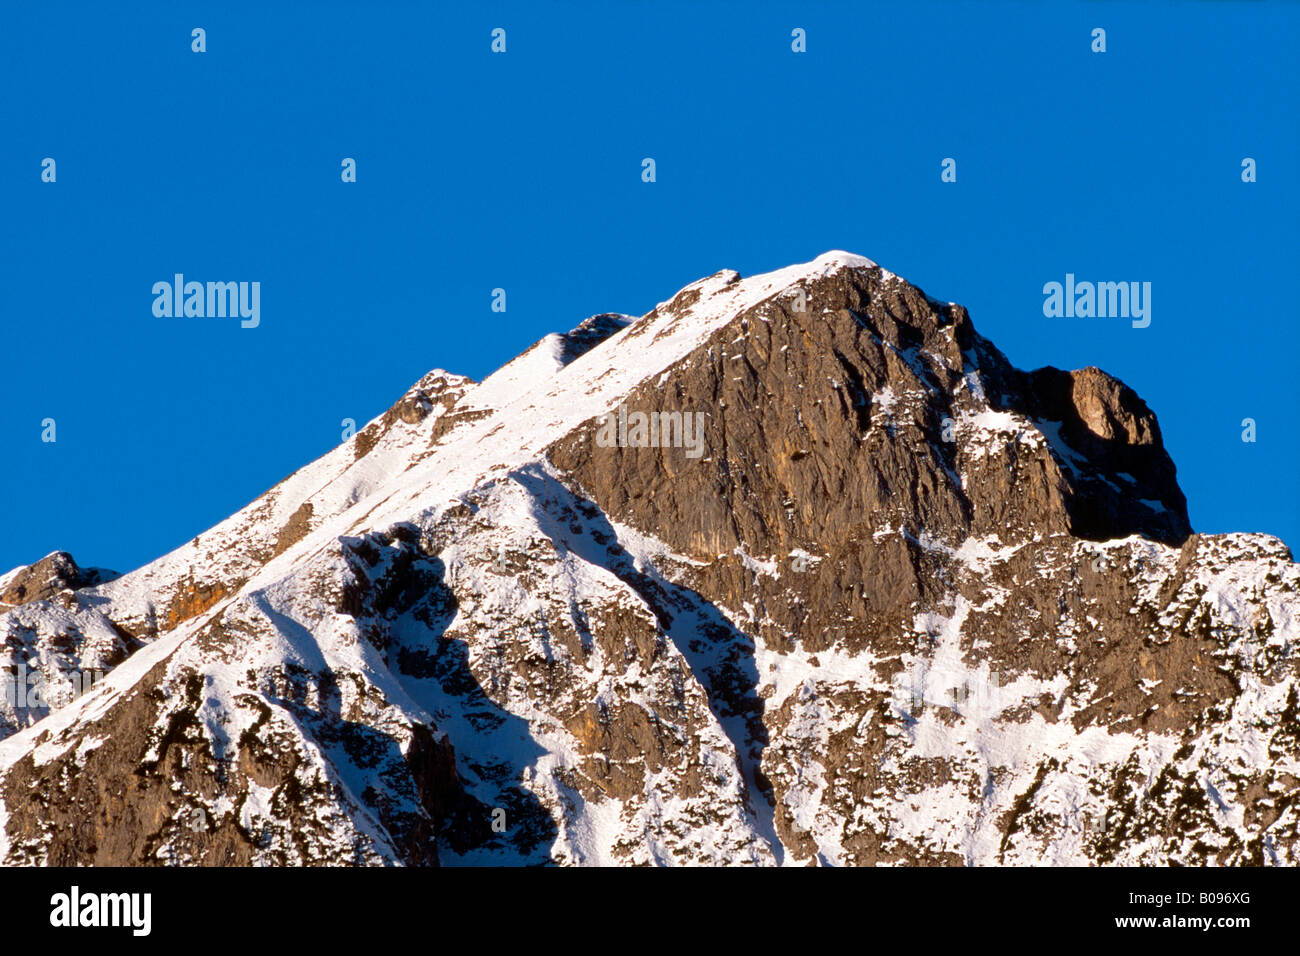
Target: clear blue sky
523	170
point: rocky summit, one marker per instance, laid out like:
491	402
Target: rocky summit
908	605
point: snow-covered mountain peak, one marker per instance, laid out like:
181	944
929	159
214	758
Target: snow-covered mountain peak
908	604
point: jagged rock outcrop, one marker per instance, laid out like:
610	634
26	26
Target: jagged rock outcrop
47	577
907	604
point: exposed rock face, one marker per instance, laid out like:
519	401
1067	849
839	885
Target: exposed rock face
590	333
910	605
47	577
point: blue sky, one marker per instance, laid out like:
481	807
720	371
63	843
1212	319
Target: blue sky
522	171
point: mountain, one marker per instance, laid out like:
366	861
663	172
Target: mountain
902	603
